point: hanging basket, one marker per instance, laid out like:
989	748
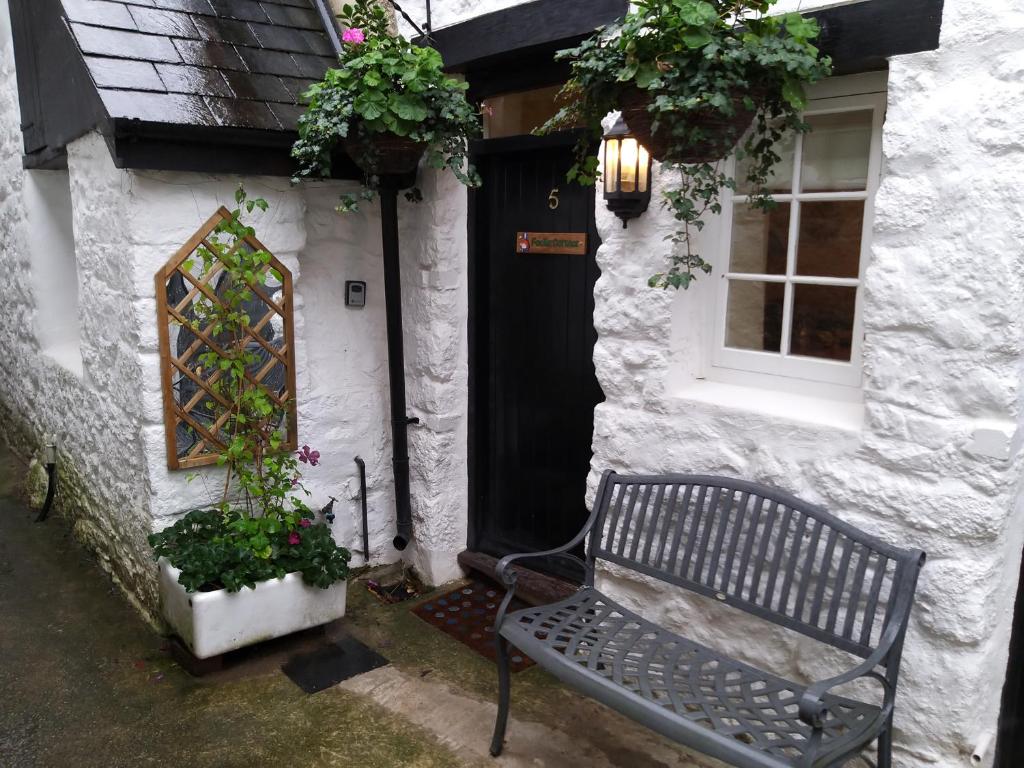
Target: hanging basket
722	132
385	153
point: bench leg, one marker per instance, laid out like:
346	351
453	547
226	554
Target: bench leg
504	685
885	748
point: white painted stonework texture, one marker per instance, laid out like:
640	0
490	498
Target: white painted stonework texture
933	461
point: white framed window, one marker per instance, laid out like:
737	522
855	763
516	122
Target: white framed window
788	311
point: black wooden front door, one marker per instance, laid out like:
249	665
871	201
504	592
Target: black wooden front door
533	383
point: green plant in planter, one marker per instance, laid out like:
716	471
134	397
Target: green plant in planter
388	102
262	527
693	78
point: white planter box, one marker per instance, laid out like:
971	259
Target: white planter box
212	623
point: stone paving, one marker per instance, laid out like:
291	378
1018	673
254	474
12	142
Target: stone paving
85	682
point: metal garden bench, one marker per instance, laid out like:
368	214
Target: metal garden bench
751	547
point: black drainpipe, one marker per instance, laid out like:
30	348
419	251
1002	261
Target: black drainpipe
400	420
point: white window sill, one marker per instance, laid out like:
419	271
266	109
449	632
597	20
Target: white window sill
818	411
68	355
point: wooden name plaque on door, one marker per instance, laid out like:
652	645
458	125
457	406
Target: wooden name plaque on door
571	243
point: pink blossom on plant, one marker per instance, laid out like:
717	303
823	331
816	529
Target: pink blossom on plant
307	456
354	35
294	538
305	522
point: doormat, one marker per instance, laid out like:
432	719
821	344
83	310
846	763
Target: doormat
468	614
336	662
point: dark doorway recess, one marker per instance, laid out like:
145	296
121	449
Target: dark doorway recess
533	387
1010	744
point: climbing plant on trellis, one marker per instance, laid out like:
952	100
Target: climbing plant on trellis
196	412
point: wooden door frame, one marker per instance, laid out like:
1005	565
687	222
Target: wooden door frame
476	272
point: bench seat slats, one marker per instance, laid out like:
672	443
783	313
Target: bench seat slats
688	691
758	550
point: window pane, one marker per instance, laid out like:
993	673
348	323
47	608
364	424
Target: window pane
760	239
836	152
781	180
823	321
754	319
516	114
830	235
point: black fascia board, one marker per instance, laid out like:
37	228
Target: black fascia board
539	25
859	36
203	149
55	92
863	36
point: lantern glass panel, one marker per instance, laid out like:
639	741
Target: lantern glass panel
611	165
645	169
630	156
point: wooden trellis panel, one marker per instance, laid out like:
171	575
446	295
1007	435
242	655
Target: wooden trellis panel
194	412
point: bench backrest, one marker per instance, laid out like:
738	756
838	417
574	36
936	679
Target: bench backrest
758	549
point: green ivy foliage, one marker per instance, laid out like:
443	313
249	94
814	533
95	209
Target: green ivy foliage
694	57
262	527
385	85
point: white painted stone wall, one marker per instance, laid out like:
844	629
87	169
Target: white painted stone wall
115	487
935	462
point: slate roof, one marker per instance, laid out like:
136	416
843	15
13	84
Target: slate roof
234	63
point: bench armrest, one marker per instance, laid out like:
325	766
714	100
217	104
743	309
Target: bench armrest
508	577
813	708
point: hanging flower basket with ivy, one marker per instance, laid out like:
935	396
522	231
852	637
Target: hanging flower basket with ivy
389	103
711	133
695	80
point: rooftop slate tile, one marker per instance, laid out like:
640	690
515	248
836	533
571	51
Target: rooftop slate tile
192	6
287	39
296	87
224	30
292	16
99	13
287	114
269	62
244	114
158	107
246	10
200	81
203	53
295	3
124	44
159	22
239	63
313	66
247	85
124	73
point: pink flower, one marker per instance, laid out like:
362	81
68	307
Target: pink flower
294	538
307	456
354	35
305	522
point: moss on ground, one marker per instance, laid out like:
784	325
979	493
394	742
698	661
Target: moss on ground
419	649
85	682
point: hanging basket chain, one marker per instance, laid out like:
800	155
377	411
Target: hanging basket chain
413	24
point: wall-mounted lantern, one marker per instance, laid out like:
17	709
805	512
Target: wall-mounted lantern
627	173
